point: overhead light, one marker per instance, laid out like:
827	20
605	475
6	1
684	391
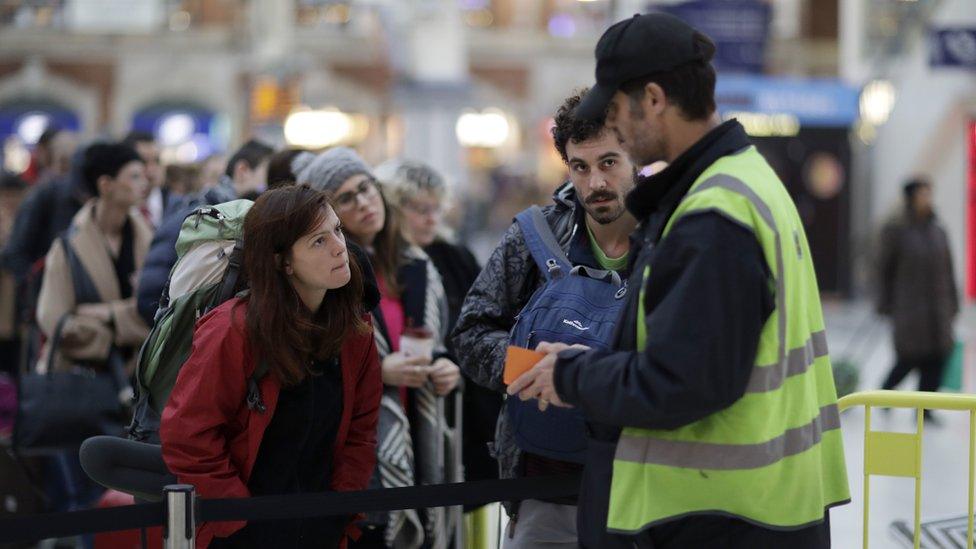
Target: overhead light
31	126
317	129
16	157
877	101
488	129
187	152
175	128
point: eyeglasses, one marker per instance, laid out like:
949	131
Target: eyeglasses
348	200
423	209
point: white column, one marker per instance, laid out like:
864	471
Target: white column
272	32
433	86
852	35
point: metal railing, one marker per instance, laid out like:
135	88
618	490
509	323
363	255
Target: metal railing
900	454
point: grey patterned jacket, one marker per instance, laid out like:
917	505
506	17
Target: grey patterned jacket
488	315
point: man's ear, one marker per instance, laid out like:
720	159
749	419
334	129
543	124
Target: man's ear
655	100
102	184
241	169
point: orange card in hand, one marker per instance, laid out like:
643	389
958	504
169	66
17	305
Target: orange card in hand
519	360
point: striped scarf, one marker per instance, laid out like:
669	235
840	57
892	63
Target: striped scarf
414	454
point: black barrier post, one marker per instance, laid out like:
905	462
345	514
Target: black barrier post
179	531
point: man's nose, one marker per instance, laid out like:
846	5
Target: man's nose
597	180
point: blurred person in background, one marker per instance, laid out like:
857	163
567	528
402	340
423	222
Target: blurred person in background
245	176
314	427
284	164
108	242
917	289
211	170
12	190
421	196
100	254
45	212
157	194
51	156
412	309
181	180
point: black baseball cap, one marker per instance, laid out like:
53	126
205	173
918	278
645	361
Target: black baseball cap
636	47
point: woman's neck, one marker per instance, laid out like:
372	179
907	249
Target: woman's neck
110	219
311	298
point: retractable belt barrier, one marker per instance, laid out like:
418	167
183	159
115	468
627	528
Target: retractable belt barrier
55	525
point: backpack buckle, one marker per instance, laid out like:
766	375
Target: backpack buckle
620	293
552	265
254	401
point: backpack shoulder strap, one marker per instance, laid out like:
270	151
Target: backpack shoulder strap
229	282
542	243
260	370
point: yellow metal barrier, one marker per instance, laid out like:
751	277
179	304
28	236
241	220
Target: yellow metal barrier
900	454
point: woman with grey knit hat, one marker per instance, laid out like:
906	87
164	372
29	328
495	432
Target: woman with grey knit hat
410	322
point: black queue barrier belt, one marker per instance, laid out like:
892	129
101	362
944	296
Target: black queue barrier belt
57	525
28	528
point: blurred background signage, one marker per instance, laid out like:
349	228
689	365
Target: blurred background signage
739	28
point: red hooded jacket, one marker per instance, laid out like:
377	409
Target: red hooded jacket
211	438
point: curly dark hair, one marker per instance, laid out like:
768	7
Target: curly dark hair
569	128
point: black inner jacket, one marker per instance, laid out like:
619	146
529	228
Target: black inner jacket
296	456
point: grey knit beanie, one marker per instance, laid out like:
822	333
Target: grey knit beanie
330	169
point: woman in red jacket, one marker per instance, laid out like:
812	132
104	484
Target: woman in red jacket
309	425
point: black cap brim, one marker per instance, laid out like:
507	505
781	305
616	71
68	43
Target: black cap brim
594	105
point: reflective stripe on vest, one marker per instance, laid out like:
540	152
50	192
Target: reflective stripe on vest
781	440
706	455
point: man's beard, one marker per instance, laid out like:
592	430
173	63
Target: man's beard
604	215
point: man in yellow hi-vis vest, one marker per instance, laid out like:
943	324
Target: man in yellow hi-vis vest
713	420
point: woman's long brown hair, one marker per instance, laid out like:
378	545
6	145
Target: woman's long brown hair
284	333
389	245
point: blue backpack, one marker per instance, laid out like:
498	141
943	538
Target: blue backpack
574	304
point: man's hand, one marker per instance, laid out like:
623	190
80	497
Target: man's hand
538	382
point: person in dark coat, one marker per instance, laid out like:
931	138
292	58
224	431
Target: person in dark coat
917	289
12	191
421	194
311	426
44	213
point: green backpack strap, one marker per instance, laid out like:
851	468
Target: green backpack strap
254	400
